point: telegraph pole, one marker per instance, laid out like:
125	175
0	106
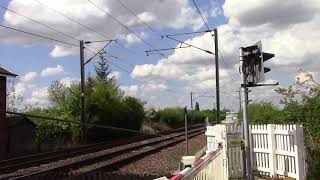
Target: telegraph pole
216	53
186	130
191	101
82	86
82	113
191	98
244	91
240	108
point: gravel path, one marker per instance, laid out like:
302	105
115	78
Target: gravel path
166	161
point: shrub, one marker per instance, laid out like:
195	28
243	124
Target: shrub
174	117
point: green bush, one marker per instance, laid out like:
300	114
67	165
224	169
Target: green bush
197	117
174	117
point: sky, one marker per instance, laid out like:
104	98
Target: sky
289	29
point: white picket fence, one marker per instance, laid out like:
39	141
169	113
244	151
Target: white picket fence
234	152
278	150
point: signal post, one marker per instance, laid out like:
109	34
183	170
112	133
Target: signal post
252	71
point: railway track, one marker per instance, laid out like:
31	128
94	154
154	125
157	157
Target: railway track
10	165
89	159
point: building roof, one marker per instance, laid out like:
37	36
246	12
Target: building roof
14	121
5	72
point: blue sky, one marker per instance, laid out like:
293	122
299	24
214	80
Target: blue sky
289	35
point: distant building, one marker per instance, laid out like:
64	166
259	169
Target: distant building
21	136
4	74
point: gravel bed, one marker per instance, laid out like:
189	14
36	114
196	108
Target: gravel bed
125	158
76	159
166	161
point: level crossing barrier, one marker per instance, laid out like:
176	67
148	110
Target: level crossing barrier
213	165
209	167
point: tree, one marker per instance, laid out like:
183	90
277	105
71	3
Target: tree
197	107
102	68
173	117
263	113
15	101
134	113
151	115
57	93
301	103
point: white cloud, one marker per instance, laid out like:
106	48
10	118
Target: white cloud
216	10
146	17
158	14
294	43
289	34
63	50
154	87
270	12
287	29
115	74
39	97
142	90
32	94
303	75
49	71
132	90
68	80
134	38
30	76
20	88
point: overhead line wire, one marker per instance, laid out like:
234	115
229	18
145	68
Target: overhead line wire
42	24
85	26
131	31
116	20
128	9
128	72
71	19
231	75
205	50
187	33
38	22
37	35
206	24
60	41
146	24
199	12
151	29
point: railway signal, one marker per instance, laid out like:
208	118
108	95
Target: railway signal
252	71
253	63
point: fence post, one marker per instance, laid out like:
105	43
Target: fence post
272	150
211	139
299	152
224	139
